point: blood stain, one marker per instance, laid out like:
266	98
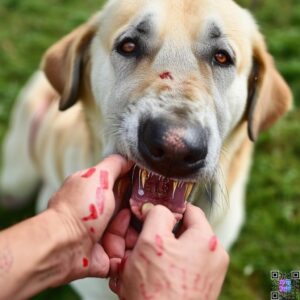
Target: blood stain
89	173
85	262
104	180
100	200
159	245
166	75
93	214
213	243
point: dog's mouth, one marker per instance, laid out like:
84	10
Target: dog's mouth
150	189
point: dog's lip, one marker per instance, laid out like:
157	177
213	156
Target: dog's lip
151	188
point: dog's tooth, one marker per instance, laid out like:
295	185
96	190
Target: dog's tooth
144	177
175	184
141	192
188	190
133	172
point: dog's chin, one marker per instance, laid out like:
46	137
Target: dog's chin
149	189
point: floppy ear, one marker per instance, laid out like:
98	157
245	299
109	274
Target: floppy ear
63	64
269	97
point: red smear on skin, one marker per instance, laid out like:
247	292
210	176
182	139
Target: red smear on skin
122	264
100	200
213	243
93	214
85	262
89	173
166	75
92	230
104	180
159	245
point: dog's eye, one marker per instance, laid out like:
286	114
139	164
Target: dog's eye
222	58
127	47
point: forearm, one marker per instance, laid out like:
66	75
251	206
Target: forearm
37	254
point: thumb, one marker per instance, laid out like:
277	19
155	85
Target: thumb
99	264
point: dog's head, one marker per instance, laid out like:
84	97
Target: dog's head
172	79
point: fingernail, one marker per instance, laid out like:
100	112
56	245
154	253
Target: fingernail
146	208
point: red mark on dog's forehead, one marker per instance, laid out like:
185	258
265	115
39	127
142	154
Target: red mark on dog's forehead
93	214
166	75
213	243
89	173
104	180
159	245
85	262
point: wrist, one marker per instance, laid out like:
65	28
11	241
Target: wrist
60	242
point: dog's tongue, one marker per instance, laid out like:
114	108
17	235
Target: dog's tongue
151	189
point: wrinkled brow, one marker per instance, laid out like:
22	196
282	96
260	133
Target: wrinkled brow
141	29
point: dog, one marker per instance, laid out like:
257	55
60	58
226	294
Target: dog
182	88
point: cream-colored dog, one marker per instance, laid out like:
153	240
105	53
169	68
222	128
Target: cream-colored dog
178	86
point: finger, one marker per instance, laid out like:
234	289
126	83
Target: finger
131	238
99	265
115	282
113	240
159	219
194	221
114	285
111	168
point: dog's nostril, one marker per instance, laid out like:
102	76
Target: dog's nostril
196	155
157	151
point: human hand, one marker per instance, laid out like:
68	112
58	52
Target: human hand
161	266
85	204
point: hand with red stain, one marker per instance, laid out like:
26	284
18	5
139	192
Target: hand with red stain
86	203
159	265
62	243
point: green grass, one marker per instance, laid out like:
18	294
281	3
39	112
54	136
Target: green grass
270	238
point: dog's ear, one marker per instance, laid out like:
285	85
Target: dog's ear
63	63
269	97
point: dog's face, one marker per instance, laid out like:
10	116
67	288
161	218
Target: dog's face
172	79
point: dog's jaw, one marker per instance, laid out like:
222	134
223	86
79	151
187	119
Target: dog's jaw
150	188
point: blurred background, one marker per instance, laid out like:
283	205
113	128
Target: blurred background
270	239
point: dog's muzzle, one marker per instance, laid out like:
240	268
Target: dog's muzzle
170	149
174	153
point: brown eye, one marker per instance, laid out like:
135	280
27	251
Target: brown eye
128	47
223	58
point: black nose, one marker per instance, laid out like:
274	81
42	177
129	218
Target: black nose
170	149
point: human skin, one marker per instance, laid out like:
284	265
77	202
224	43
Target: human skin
191	265
61	244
